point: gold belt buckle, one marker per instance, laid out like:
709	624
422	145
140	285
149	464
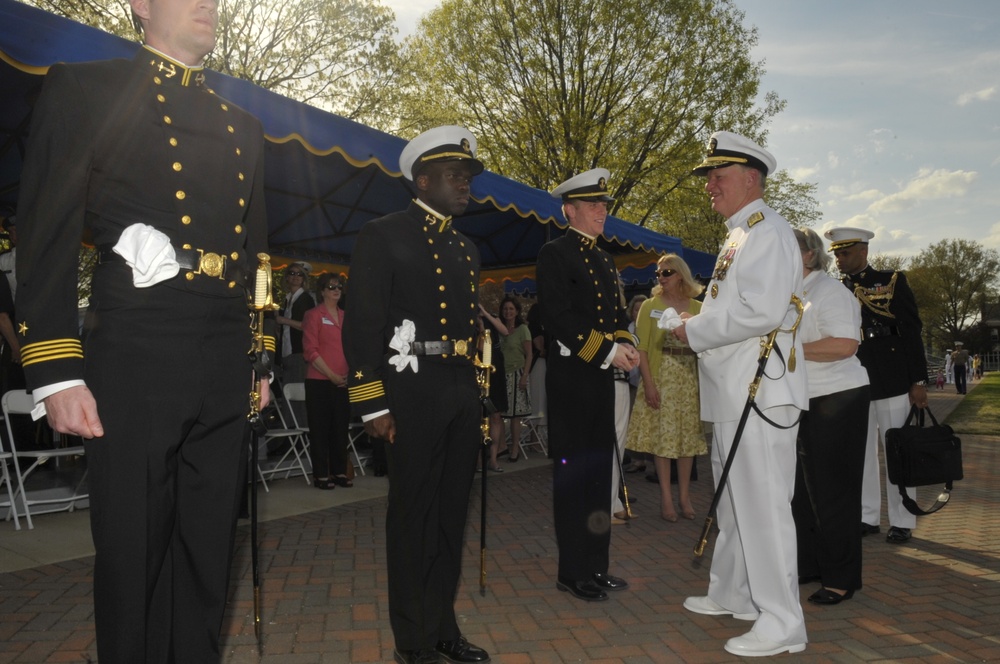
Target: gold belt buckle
461	347
210	264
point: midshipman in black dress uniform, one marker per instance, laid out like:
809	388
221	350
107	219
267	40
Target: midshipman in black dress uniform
165	178
585	316
409	338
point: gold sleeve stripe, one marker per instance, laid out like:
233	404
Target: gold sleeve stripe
56	349
269	344
593	345
366	392
624	335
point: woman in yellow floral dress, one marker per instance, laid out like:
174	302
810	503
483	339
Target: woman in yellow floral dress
666	419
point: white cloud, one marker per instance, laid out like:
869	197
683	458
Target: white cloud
866	195
803	173
992	239
832	160
880	138
926	186
982	95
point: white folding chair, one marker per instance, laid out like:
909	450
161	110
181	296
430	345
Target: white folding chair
533	435
17	402
297	454
355	430
5	457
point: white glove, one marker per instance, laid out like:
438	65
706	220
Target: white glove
669	319
149	253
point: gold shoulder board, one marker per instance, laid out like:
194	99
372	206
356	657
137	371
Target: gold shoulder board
755	218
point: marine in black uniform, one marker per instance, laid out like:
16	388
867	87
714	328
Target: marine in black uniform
585	317
409	339
159	384
893	353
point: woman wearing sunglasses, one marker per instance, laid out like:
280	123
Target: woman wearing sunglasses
326	384
666	418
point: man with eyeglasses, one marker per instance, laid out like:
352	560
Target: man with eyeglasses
298	301
409	337
584	313
759	270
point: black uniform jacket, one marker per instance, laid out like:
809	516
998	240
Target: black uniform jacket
413	266
581	308
124	142
891	348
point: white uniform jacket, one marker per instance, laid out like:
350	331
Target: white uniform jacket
758	270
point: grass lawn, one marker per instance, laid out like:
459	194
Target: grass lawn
979	412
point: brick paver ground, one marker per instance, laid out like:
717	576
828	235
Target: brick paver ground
935	599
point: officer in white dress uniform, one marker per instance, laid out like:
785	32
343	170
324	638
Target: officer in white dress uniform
754	573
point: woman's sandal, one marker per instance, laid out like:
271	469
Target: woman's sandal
341	480
323	483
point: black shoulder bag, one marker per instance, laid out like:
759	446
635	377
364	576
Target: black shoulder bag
918	456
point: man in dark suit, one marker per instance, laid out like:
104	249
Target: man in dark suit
409	337
298	300
893	353
166	179
585	316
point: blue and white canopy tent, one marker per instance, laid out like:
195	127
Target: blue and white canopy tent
325	175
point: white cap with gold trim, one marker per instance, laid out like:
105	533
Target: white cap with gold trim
590	185
845	236
447	143
726	148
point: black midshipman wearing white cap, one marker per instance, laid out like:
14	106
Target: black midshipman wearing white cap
409	335
759	269
584	315
892	352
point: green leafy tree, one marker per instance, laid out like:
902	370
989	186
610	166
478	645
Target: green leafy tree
555	87
114	16
888	263
688	213
339	55
952	280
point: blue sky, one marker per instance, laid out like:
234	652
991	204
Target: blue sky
893	111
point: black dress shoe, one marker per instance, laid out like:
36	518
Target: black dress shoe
897	535
868	529
827	597
608	582
425	656
461	651
588	591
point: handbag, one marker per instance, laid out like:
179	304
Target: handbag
918	455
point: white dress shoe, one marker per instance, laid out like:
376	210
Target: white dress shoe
751	645
706	606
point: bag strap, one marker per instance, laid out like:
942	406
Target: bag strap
911	505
